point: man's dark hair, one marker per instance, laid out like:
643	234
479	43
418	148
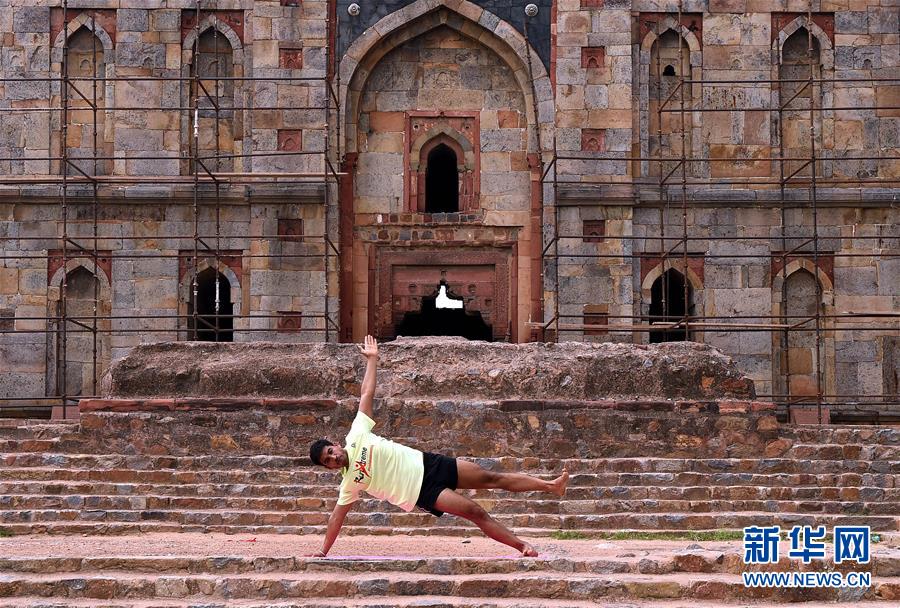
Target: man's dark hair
315	450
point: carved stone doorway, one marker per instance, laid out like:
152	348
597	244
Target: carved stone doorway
409	283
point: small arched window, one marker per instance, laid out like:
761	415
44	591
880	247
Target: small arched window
668	304
214	308
442	181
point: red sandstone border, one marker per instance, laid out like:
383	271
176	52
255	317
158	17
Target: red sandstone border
508	405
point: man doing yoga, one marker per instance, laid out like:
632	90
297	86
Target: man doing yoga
408	478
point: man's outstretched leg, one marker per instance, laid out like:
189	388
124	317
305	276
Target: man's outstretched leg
473	477
453	503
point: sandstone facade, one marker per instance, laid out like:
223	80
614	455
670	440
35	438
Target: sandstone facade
417	82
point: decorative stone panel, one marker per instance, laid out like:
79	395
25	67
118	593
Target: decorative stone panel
290	140
480	276
596	314
594	231
289	321
593	57
290	229
459	131
290	58
593	140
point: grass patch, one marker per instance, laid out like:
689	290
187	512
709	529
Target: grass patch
567	535
696	536
686	535
4	533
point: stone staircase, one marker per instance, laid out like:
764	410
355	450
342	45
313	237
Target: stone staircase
164	572
828	475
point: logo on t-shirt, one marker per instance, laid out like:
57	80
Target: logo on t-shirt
361	466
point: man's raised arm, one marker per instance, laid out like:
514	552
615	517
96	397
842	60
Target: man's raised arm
370	350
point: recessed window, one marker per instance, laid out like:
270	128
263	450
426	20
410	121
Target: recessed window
442	181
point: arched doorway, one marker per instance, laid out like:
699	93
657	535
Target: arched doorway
214	308
444	314
441	181
668	304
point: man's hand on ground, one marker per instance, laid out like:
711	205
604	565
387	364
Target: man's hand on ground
369	348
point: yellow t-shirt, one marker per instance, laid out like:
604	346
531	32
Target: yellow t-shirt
382	468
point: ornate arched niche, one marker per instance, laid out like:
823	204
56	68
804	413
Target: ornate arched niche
425	133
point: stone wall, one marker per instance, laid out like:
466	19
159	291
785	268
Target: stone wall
607	429
594	96
445	368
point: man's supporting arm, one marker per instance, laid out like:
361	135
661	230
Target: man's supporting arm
335	522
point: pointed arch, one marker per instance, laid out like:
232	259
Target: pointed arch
694	119
78	351
232	94
105	95
185	295
467	18
787	379
823	92
696	305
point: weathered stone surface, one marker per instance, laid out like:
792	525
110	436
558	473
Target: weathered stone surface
451	368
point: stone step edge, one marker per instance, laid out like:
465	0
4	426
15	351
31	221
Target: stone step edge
500	498
419	601
536	585
129	528
303	461
882	564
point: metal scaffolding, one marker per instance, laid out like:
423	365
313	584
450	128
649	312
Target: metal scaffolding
672	194
209	183
206	180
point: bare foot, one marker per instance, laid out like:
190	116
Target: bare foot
528	551
559	484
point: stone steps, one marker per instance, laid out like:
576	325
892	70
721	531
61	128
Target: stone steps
386	522
531	585
302	468
495	505
884	563
841	434
327	479
418	601
808	451
326	493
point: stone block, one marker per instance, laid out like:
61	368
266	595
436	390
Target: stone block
141	55
855	351
851	22
857	281
132	20
15	384
28	19
727	6
883	20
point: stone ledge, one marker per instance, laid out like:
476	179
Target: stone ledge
430	368
199	404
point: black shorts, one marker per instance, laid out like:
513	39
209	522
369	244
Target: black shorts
440	474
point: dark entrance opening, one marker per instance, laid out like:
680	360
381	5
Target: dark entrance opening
441	181
209	327
443	314
667	304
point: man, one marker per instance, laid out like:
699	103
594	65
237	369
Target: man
408	478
